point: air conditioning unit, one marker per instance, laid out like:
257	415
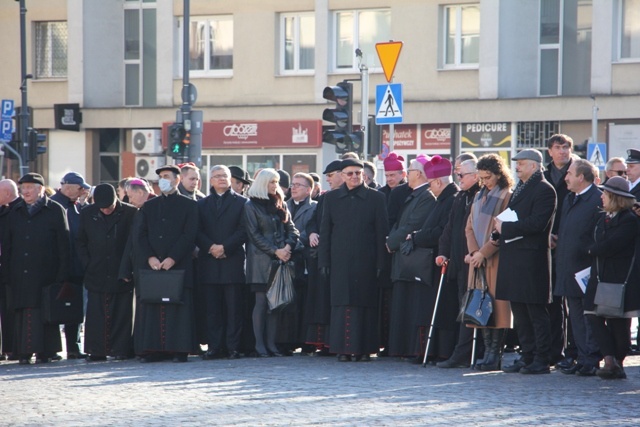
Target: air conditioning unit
146	166
146	141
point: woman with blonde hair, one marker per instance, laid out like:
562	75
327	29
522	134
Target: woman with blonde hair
271	237
492	198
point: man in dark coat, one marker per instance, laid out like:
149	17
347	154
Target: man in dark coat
291	320
165	241
524	273
72	188
352	247
318	303
452	247
580	212
35	254
190	181
102	237
406	303
560	147
221	260
9	197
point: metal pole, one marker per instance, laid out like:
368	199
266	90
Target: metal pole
185	108
364	106
24	109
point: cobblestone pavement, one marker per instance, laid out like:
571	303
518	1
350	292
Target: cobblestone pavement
303	390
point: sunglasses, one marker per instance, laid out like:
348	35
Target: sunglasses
620	173
462	175
350	174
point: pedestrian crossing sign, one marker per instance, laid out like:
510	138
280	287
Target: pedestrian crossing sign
597	154
388	103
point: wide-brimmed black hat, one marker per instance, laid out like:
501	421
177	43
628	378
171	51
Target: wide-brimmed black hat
240	174
171	168
618	185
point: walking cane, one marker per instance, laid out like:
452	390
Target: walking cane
443	270
473	347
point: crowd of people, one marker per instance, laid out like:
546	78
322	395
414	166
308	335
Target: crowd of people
349	247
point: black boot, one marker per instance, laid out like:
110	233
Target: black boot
486	338
494	361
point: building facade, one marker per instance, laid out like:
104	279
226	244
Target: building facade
482	76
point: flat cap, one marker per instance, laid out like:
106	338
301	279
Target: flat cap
170	168
334	166
351	162
529	154
33	178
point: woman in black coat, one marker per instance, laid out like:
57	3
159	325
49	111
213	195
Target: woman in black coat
613	255
271	236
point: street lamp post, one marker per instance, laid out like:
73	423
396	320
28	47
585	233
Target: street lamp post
24	110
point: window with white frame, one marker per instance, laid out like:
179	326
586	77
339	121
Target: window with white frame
140	59
359	29
629	24
51	49
297	43
210	46
461	36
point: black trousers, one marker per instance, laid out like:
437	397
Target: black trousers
224	311
587	346
533	327
612	335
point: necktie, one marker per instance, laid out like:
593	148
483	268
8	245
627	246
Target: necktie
575	199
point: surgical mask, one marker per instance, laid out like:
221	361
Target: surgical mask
165	185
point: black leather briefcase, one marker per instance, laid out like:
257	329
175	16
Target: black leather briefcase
161	286
62	303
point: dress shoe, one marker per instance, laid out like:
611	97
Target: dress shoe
180	357
234	355
536	368
587	371
344	358
212	355
572	370
24	361
94	358
150	358
515	367
565	363
263	355
451	364
40	360
363	358
120	357
55	357
276	354
76	355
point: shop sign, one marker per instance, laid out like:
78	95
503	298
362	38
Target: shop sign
483	135
435	136
405	137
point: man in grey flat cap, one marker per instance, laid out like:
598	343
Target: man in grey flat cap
524	274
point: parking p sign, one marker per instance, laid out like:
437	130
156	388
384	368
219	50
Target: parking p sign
6	124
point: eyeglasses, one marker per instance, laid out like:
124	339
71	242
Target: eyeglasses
619	172
298	185
351	173
462	175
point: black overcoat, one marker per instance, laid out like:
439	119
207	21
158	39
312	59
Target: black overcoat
417	206
101	245
35	251
352	244
224	227
561	193
575	235
613	249
265	234
524	273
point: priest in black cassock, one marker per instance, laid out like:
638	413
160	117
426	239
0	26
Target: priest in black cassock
102	237
352	253
165	240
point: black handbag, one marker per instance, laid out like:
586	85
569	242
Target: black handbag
412	263
478	309
281	292
161	286
62	303
609	298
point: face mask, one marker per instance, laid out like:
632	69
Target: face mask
165	185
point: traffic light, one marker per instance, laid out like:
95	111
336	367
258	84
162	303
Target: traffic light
375	137
342	135
177	136
34	140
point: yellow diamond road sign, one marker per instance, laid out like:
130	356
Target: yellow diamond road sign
388	54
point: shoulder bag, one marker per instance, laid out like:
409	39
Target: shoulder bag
609	297
413	264
477	303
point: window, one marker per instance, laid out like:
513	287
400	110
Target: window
461	36
109	142
51	50
629	24
140	59
210	46
297	43
359	29
550	42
